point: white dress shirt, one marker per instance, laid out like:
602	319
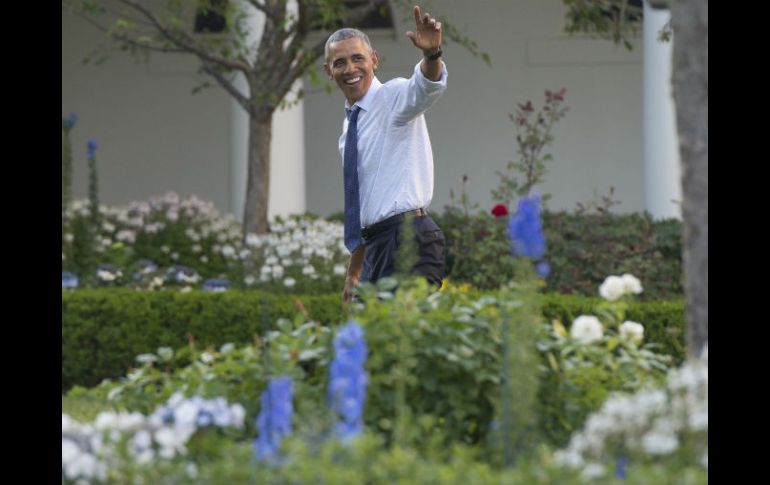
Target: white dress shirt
395	160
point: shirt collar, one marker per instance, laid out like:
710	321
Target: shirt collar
365	103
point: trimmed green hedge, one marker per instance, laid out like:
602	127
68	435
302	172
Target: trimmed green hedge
104	329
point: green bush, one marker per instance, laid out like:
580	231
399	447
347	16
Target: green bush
663	320
104	329
582	250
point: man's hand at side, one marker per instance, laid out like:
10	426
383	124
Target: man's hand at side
354	273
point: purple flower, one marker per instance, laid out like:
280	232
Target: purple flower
543	269
525	229
216	284
348	380
620	469
69	121
91	147
69	280
274	419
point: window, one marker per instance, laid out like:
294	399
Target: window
209	17
381	18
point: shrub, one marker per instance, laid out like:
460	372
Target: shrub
581	250
102	330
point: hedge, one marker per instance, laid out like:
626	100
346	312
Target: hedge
103	330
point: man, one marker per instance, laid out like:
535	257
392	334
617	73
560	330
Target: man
387	156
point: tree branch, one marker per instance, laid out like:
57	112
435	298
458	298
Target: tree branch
181	40
228	86
127	39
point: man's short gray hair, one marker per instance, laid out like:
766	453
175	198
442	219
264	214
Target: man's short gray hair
344	34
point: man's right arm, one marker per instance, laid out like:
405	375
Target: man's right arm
354	273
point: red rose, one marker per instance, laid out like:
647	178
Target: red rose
499	210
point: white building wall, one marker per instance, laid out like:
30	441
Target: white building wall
155	136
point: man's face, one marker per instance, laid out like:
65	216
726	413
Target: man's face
352	66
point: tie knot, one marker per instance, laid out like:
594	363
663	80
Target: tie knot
352	112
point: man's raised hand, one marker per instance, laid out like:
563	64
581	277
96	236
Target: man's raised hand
427	32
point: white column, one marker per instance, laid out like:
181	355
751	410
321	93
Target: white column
662	174
287	150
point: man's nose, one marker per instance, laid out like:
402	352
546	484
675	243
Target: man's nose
348	66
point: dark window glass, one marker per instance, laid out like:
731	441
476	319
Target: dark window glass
381	18
210	18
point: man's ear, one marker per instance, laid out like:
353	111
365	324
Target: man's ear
375	59
328	70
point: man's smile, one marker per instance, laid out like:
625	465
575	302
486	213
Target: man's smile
353	80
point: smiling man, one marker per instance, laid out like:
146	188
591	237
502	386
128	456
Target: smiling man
386	152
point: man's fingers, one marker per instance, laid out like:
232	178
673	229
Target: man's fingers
417	14
426	18
438	25
411	35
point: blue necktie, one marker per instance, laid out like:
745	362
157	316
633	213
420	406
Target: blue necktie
350	171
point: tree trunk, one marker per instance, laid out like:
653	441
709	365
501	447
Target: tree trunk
689	21
258	183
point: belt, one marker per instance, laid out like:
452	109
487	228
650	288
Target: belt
370	231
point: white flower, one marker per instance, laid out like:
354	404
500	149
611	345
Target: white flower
339	269
69	237
126	236
308	270
271	260
207	358
185	289
245	253
174	255
165	249
84	465
657	442
172	215
141	441
249	280
252	240
277	271
593	470
69	451
631	284
569	458
228	251
586	329
196	248
289	282
204	259
631	331
612	288
107	227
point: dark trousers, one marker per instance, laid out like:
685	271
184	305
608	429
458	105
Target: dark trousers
382	240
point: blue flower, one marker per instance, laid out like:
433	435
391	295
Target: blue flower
69	121
525	229
91	147
274	419
620	469
348	380
543	269
69	280
216	284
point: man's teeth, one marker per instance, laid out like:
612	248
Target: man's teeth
353	81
